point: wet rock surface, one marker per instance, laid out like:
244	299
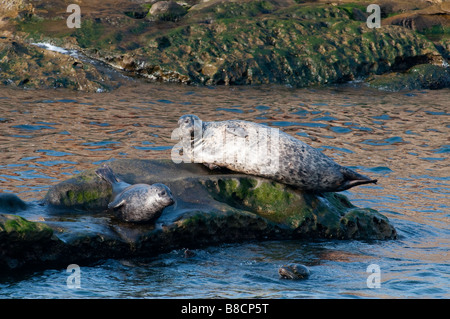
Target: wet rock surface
299	44
422	76
28	66
72	225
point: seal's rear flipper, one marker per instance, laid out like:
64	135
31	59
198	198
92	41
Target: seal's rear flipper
353	179
350	184
107	174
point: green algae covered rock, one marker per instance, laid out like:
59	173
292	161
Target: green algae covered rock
307	215
206	199
15	227
242	42
211	207
28	66
85	191
24	242
423	76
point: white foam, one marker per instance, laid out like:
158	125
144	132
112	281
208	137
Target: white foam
51	47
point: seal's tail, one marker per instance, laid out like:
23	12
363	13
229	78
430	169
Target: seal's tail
353	179
107	174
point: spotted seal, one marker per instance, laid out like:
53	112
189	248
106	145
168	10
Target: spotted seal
294	271
260	150
139	203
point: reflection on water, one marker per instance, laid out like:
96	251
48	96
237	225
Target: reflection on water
400	139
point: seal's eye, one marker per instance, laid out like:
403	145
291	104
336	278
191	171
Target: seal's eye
163	193
186	121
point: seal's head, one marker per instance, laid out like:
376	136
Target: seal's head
188	123
294	271
162	195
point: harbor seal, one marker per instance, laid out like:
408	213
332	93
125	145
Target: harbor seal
260	150
139	203
294	271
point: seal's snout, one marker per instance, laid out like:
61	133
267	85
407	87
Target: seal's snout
164	194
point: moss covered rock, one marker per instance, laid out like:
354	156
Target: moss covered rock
28	66
212	207
85	191
244	42
206	198
15	227
23	242
423	76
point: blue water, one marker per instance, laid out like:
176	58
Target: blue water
48	136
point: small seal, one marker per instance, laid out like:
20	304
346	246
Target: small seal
139	203
257	149
294	271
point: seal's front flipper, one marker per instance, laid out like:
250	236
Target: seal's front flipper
237	131
116	203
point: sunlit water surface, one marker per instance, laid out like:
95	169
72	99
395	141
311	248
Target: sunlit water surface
402	139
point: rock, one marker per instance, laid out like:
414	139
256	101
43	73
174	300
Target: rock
167	11
28	66
24	243
427	18
423	76
294	271
319	45
11	203
197	189
240	42
11	9
85	192
212	207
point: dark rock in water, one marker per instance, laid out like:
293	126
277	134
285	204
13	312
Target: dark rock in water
294	271
211	207
423	76
11	203
23	242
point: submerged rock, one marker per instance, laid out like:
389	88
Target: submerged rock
211	207
24	243
11	203
423	76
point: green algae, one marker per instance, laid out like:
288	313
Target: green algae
254	42
328	215
84	191
22	228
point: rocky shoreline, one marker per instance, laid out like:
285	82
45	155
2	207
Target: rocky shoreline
72	224
216	42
